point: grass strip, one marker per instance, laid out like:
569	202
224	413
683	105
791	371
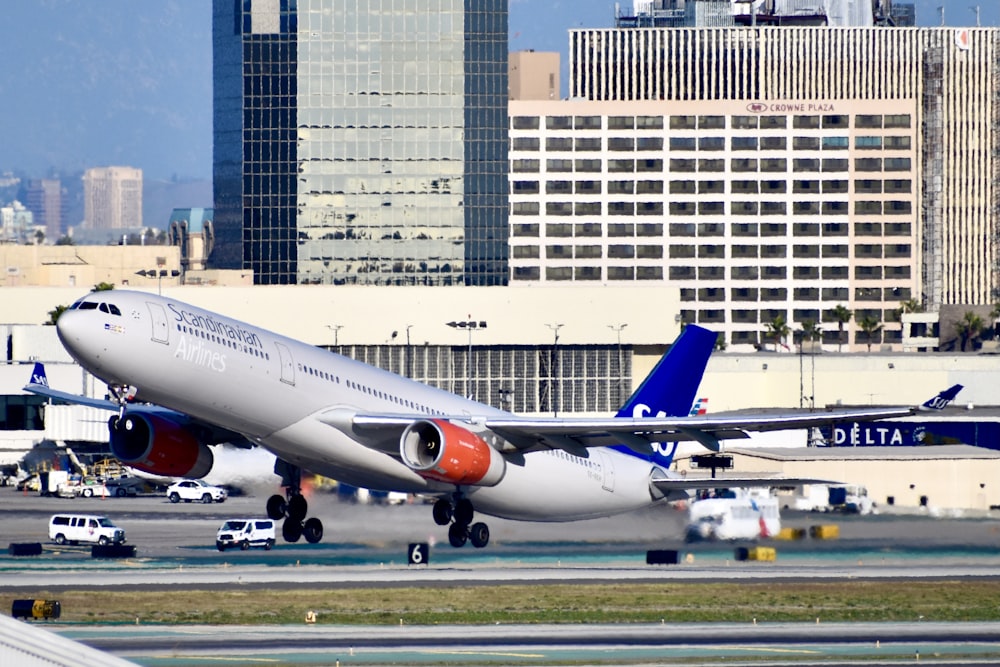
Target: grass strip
575	603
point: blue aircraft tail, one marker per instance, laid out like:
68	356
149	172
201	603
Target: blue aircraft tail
671	387
38	375
942	399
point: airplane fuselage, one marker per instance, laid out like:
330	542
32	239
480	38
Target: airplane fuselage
274	390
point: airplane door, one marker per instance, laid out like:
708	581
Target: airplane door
158	318
607	471
287	364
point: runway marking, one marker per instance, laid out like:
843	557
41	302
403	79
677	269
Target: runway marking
770	650
492	653
212	658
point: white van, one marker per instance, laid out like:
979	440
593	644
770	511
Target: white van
245	533
74	528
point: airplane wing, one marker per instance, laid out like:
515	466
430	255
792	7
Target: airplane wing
691	482
575	435
213	435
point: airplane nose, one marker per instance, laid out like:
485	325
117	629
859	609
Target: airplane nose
69	329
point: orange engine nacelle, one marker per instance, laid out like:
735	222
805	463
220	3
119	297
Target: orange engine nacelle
158	446
439	450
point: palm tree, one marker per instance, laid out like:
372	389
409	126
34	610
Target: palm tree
778	329
55	313
842	314
969	328
869	326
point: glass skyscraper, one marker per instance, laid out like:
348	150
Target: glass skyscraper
361	142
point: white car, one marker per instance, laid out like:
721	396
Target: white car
195	489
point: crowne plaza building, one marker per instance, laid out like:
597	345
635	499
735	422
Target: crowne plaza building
767	171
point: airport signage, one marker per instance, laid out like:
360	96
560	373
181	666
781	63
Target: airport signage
912	434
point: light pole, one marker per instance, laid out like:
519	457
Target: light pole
553	378
336	330
408	365
617	328
159	275
469	325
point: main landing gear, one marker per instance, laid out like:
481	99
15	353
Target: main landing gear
294	510
459	515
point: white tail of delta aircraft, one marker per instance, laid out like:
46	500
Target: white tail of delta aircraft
199	379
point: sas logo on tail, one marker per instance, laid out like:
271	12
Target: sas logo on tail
700	407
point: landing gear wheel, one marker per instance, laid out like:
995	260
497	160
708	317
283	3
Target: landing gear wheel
291	530
458	534
298	507
442	512
277	507
463	511
312	530
479	535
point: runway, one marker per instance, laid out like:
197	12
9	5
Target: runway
175	547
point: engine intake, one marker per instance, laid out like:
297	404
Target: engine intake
158	446
439	450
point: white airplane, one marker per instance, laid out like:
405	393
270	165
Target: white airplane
185	378
733	514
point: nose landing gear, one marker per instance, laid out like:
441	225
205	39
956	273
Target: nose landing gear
462	529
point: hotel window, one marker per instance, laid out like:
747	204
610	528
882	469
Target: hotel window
559	144
835	251
649	229
588	229
805	294
708	229
897	164
525	188
744	122
681	252
868	121
835	294
524	208
649	252
587	208
558	273
621	166
897	120
649	273
805	143
743	251
525	251
559	230
525	143
805	122
745	229
648	165
683	166
558	208
525	122
711	122
868	208
682	187
649	122
619	144
744	143
835	272
835	143
774	294
621	273
683	123
558	187
773	207
898	207
621	208
558	123
898	186
836	121
745	187
559	166
742	164
524	229
621	187
773	229
588	252
835	229
559	252
584	144
682	229
837	186
587	122
683	208
743	294
805	164
711	166
649	208
621	229
867	186
868	143
525	166
681	273
587	273
711	187
649	187
744	273
868	272
835	165
867	164
773	143
712	143
621	122
588	187
805	273
897	229
805	187
683	143
711	208
649	144
740	208
773	122
835	208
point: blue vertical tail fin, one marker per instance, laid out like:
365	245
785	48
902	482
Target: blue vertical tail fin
942	399
671	387
38	375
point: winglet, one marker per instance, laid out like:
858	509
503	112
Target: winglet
38	375
942	399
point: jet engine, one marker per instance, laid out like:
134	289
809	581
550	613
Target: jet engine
439	450
158	446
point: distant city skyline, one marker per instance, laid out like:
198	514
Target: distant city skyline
121	83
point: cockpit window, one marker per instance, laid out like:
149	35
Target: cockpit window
114	309
88	305
104	308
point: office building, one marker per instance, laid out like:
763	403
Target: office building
112	198
361	143
43	197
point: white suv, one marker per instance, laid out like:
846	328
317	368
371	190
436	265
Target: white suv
245	533
195	489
